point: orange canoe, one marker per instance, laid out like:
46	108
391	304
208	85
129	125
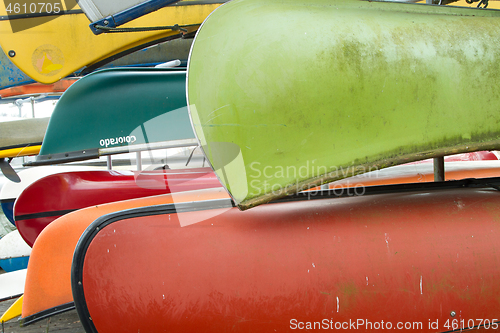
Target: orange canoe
48	282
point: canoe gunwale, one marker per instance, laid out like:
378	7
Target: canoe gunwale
104	221
87	154
10	297
149	146
23	145
134	12
493	183
74	156
23	322
123	16
354	170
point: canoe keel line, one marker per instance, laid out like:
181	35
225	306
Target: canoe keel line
278	265
385	83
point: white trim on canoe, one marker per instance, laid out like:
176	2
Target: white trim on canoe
148	146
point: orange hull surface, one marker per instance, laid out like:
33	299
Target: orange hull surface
38	88
419	260
48	282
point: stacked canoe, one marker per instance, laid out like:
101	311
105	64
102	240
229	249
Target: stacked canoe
278	108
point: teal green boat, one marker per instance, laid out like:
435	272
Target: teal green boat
287	95
117	111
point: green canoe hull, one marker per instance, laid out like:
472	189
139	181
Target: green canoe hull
286	95
118	110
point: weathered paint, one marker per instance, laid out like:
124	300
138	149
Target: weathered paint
52	50
10	75
48	282
309	261
334	88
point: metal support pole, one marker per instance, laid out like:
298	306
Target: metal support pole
32	99
439	169
138	159
108	163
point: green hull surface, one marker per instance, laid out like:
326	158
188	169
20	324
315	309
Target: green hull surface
286	95
116	111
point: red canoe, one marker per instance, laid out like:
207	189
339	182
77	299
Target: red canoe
425	258
55	195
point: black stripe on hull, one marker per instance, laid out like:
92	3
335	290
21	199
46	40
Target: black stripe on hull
43	214
46	314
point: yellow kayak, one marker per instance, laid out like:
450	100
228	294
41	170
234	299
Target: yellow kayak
53	49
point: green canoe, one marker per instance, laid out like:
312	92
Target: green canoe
286	95
118	111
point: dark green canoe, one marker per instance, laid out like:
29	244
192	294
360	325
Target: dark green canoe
286	95
116	111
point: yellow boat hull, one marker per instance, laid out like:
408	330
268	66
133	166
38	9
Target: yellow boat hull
13	311
55	49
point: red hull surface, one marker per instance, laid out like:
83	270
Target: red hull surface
426	261
55	195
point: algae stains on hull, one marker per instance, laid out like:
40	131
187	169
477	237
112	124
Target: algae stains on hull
376	85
